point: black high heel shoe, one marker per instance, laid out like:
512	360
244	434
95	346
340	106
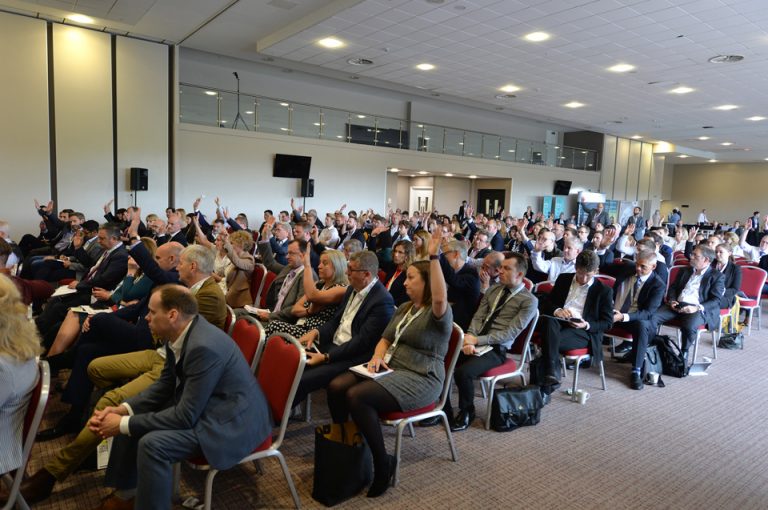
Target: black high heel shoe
381	482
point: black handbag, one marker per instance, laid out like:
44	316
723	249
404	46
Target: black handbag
516	407
731	341
672	360
652	363
343	463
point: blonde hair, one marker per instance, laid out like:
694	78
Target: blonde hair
18	336
243	239
339	263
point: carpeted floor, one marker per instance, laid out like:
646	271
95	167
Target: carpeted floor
698	443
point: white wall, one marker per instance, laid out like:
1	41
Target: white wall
24	148
449	192
83	125
142	120
210	160
629	171
83	88
728	192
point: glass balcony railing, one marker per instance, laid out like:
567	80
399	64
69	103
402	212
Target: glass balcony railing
220	108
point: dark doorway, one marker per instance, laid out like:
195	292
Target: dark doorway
490	201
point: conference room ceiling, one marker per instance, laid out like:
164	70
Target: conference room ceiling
478	46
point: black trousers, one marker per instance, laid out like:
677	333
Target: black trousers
689	323
469	368
318	377
56	310
558	336
52	271
642	331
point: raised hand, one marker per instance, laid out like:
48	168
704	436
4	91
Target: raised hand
217	201
108	206
196	203
49	207
434	241
37	205
225	212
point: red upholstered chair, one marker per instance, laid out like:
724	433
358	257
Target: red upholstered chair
575	356
266	284
544	287
279	371
511	368
752	283
673	271
606	280
744	262
257	281
382	277
32	418
229	322
528	284
401	420
248	334
674	324
616	333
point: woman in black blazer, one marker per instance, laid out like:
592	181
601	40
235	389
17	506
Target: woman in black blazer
731	272
402	256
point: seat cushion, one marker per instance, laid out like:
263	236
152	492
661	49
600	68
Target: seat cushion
401	415
747	302
618	332
576	352
507	367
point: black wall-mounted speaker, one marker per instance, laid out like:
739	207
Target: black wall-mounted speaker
139	179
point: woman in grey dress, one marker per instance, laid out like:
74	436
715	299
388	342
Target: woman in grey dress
19	344
413	345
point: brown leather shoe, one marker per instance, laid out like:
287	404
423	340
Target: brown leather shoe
37	487
112	502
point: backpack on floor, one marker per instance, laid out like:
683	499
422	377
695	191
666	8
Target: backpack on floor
672	360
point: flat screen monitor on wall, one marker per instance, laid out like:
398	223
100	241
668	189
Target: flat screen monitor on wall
562	188
293	167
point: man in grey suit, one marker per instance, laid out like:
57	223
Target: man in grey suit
288	286
206	401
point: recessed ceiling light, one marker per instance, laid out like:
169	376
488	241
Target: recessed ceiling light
330	43
473	177
284	104
423	173
510	150
315	123
725	59
283	129
361	116
360	61
682	90
248	112
573	104
727	143
80	18
756	118
394	170
339	136
210	92
683	156
726	107
222	121
636	137
426	138
621	68
713	161
766	159
425	67
420	125
449	175
509	88
703	138
537	36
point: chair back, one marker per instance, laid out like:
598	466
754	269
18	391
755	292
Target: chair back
257	281
455	343
752	281
229	321
248	334
544	287
382	277
528	284
523	341
606	280
279	372
32	418
745	262
673	272
265	285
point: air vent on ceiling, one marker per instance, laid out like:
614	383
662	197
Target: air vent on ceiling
505	97
360	61
726	59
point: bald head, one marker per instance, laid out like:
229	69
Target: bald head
167	255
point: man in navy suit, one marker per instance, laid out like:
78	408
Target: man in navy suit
694	297
463	282
636	299
574	316
206	401
106	273
350	337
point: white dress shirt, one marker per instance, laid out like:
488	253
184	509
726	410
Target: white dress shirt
344	331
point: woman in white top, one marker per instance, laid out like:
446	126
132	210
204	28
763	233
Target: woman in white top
19	345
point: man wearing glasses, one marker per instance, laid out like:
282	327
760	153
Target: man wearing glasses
694	297
288	286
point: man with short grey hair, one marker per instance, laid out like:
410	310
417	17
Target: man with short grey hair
557	265
462	280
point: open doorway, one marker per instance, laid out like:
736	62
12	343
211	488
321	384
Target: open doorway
421	199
